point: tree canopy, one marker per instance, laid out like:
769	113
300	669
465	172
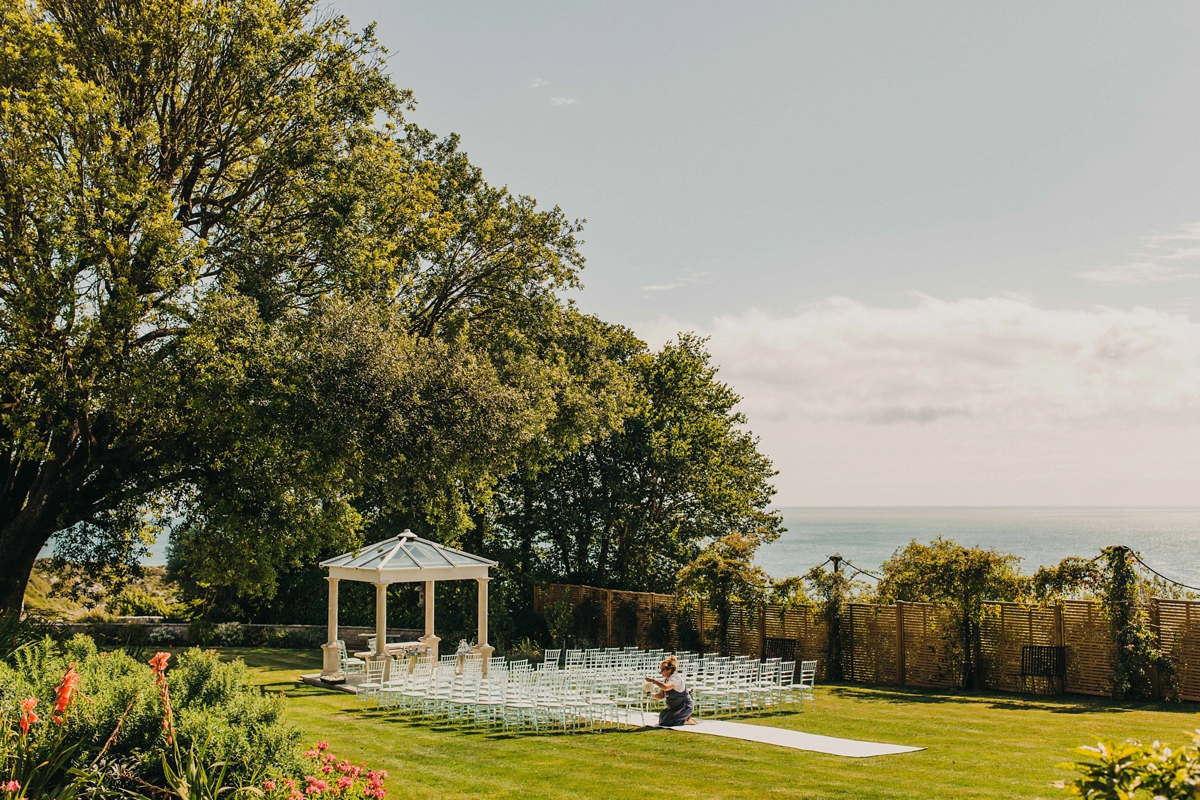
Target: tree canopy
244	299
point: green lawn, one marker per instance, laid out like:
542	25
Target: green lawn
994	745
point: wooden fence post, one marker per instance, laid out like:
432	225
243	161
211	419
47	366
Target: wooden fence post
608	618
900	642
762	631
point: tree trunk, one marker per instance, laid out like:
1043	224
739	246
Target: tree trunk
21	539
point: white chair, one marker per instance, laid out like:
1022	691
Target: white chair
808	680
349	665
369	688
550	659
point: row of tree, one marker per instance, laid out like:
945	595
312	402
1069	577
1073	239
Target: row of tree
245	302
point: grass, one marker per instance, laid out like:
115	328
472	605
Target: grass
979	746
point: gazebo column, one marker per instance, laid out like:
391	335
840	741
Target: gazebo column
483	647
331	657
429	638
380	620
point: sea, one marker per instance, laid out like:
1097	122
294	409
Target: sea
1168	539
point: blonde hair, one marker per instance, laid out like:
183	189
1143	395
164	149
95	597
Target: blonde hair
672	662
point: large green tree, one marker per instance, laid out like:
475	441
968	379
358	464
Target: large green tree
944	571
630	509
235	286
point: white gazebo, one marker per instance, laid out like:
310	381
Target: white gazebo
406	558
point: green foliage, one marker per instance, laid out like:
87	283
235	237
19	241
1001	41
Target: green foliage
1131	770
659	631
589	623
624	623
527	649
1136	651
833	589
1072	577
134	601
723	575
629	508
215	705
19	632
559	619
963	578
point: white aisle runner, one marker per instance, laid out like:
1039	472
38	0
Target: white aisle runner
797	740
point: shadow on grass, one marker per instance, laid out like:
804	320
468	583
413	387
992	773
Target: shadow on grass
1065	704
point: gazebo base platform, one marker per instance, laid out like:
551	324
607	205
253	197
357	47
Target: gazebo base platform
314	679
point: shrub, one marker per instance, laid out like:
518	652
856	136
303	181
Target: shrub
559	619
215	704
625	623
200	632
162	636
134	601
526	648
658	632
228	634
1132	769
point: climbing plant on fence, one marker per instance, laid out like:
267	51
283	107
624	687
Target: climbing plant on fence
1137	653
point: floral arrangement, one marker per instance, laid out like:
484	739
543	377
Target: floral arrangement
330	777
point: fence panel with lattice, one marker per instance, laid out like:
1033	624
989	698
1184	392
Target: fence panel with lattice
1179	637
1007	629
1088	639
932	651
870	652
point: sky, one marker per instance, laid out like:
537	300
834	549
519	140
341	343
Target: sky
948	253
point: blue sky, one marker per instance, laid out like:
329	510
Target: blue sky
948	252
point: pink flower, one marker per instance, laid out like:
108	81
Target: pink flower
289	783
269	785
310	753
295	796
326	769
345	782
11	786
322	745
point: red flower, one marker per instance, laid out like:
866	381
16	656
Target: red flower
322	745
269	786
12	787
27	715
62	694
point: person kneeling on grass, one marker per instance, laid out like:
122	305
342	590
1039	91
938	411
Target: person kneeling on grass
672	689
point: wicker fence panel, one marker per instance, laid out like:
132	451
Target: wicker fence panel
1179	637
1088	639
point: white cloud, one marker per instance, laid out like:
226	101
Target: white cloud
563	101
683	280
998	360
1158	261
537	83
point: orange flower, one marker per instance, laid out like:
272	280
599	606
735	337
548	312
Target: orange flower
62	694
159	663
27	715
